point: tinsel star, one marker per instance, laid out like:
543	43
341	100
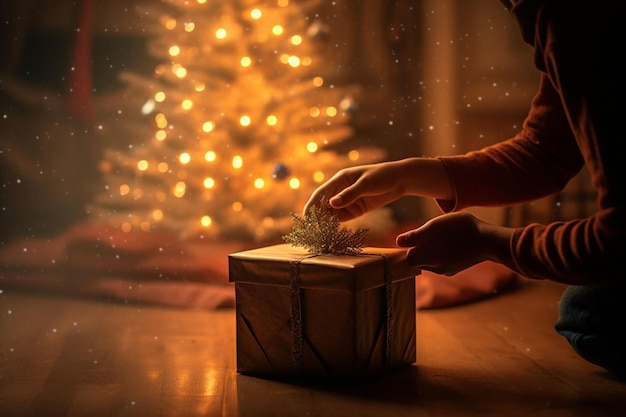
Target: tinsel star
319	232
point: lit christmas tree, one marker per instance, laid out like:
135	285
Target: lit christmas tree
238	120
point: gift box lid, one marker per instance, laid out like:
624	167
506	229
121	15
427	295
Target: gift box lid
273	265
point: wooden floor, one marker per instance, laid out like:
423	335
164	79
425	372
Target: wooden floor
499	357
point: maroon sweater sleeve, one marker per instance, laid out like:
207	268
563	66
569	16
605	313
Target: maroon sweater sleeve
537	162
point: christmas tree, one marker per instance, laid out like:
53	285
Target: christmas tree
237	123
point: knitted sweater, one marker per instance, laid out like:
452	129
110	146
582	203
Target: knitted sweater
571	122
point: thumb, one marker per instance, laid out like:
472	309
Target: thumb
408	239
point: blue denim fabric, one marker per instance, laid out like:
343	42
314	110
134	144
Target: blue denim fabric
593	320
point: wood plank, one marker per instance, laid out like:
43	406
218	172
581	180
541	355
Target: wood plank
72	357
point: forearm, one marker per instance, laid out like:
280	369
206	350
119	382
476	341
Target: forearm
425	177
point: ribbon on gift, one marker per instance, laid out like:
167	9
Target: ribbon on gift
296	328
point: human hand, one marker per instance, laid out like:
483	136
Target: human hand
450	243
354	191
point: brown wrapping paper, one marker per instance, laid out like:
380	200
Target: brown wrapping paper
348	316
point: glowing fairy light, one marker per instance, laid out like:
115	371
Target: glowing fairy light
245	120
331	111
142	165
246	61
187	104
237	161
208	126
209	183
296	40
318	176
160	135
259	183
126	227
184	158
277	30
201	1
162	167
256	14
210	156
283	3
189	26
160	120
174	50
157	215
293	61
159	97
124	189
353	155
221	33
145	226
199	86
311	147
179	71
168	22
206	221
318	81
271	120
237	206
294	183
314	111
179	189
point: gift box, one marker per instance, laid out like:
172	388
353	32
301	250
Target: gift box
319	316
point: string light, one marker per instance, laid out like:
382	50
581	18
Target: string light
318	176
353	155
157	215
160	135
210	156
245	120
184	158
294	183
179	189
271	120
221	33
174	50
187	104
209	183
183	178
142	165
